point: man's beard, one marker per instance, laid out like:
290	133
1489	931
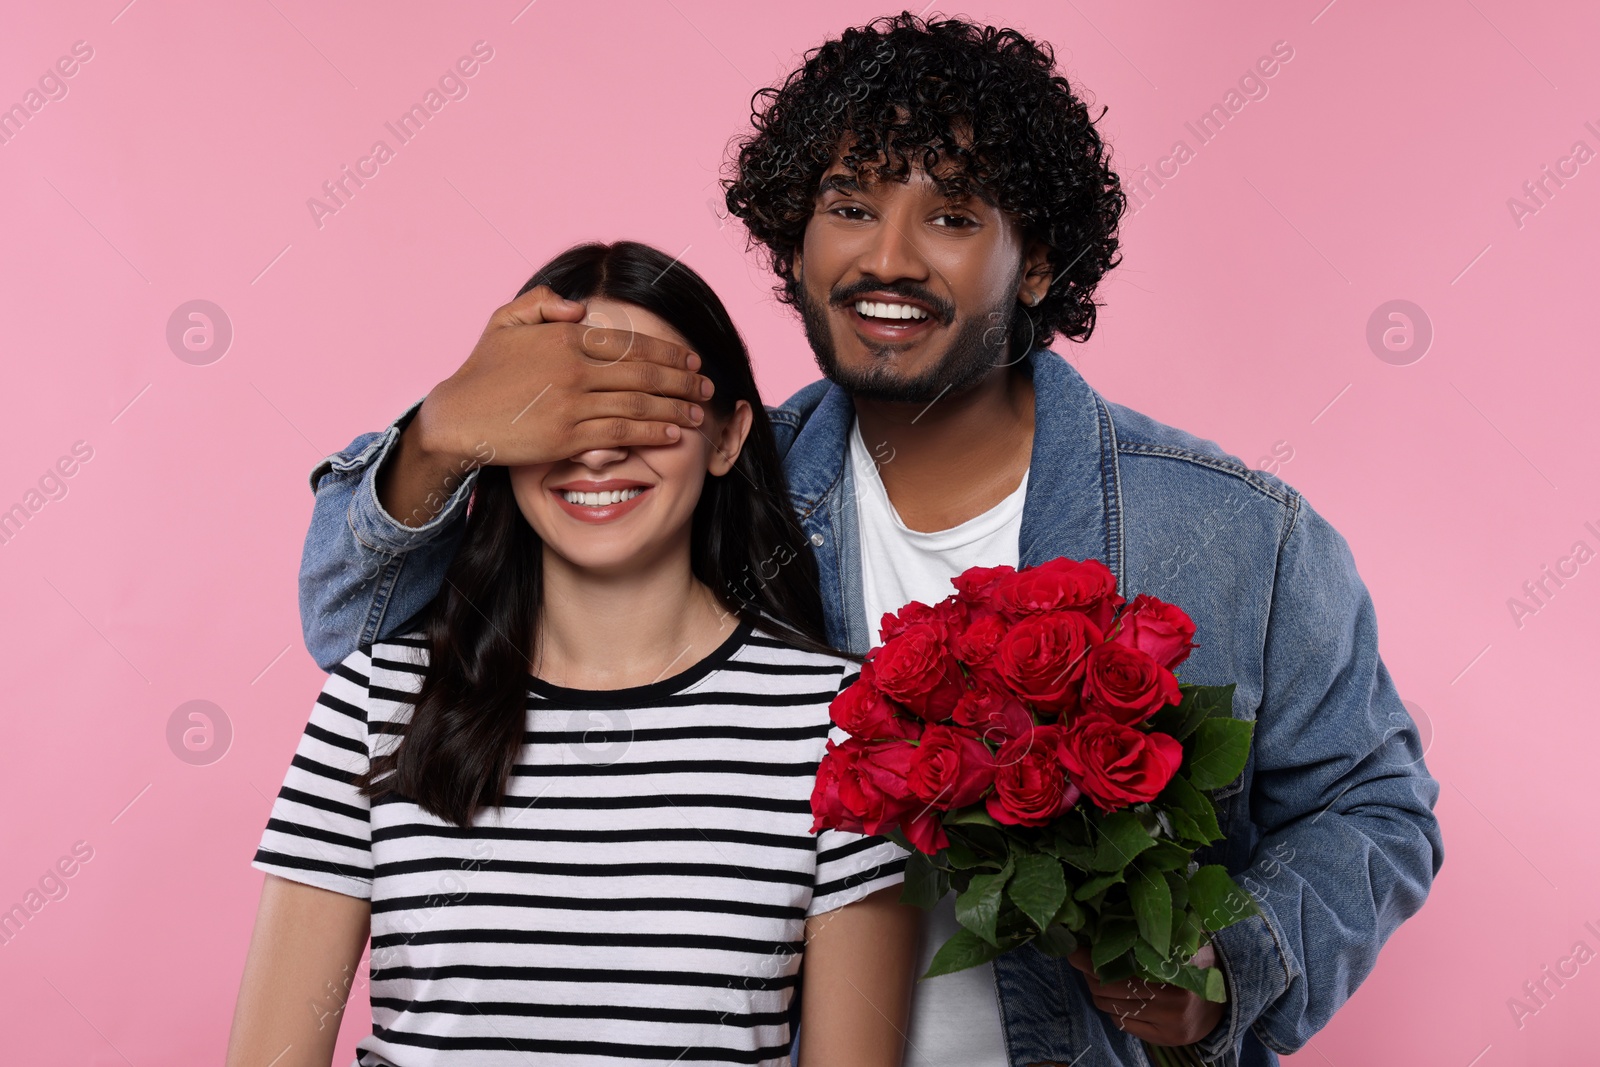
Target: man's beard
981	344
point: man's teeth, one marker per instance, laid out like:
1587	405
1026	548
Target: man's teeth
596	500
874	310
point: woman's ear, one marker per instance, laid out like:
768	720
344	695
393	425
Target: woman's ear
730	439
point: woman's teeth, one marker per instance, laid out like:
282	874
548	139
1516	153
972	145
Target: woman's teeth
598	500
873	310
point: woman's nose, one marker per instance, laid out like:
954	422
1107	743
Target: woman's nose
598	458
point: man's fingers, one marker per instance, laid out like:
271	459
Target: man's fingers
612	345
642	377
641	407
1125	991
624	433
539	305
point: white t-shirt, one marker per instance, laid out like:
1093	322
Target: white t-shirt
641	894
955	1018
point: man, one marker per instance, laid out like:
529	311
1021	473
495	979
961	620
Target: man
938	206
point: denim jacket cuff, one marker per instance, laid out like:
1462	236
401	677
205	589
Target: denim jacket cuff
369	522
1256	972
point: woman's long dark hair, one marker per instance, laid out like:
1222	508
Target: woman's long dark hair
467	726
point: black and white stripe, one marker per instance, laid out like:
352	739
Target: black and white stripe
641	896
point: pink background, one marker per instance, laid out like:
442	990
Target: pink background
1378	167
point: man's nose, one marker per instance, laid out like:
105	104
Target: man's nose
891	254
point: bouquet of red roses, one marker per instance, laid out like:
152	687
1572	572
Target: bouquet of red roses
1027	740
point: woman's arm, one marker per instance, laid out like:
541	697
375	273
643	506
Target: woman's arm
856	982
303	958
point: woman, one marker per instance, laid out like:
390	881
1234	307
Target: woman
573	807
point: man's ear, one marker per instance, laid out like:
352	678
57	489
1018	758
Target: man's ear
1036	273
728	442
796	270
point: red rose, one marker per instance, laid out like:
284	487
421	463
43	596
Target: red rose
827	810
894	622
976	644
915	668
1061	584
863	711
975	587
924	831
1030	785
993	713
1162	631
862	788
950	769
1041	658
950	617
1117	765
1126	684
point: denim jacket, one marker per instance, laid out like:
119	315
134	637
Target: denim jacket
1330	827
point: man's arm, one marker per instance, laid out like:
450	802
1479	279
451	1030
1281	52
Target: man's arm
364	573
539	386
1350	844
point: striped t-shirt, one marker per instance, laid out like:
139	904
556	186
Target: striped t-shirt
640	895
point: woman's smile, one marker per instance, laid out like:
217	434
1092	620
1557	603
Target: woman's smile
601	501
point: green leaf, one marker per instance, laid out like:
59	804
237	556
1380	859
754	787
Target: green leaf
978	908
1056	941
960	854
1186	935
1198	703
925	883
1206	982
965	949
973	816
1118	969
1221	747
1038	887
1166	856
1184	828
986	841
1116	937
1079	856
1122	837
1153	966
1069	915
1096	885
1216	900
1178	885
1152	906
1179	795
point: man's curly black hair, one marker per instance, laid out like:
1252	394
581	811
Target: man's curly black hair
987	100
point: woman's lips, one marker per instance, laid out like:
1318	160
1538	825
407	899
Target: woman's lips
603	513
890	329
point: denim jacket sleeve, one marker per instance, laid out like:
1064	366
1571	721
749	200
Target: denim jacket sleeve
363	574
1349	843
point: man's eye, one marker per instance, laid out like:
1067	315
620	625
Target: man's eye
955	222
841	212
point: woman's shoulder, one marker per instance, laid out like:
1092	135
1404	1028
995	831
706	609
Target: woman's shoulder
766	649
408	647
395	663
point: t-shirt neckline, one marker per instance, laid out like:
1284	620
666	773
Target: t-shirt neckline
974	529
633	696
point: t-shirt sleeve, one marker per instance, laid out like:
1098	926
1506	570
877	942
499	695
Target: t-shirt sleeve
320	829
852	866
